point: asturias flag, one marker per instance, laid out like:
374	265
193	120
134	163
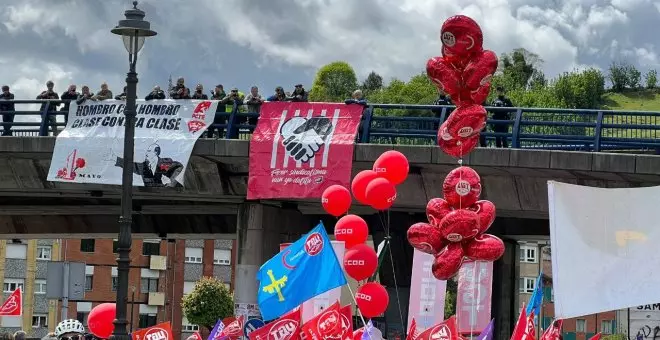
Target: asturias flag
535	302
303	270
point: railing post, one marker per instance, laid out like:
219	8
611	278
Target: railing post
43	128
366	127
598	130
232	131
515	132
443	115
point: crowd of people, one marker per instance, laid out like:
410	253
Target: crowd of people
180	90
69	329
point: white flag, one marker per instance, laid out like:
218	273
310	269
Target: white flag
605	248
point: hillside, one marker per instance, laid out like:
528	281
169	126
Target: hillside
644	100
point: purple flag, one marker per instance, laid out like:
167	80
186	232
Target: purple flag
368	331
216	331
487	333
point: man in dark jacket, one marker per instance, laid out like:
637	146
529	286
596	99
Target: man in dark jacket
219	95
156	94
155	170
180	91
199	93
7	109
442	100
70	95
50	94
501	101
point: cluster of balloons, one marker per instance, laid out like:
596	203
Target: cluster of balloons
375	188
463	72
100	318
457	225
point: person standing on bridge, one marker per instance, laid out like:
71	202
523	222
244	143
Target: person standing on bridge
50	94
7	109
502	114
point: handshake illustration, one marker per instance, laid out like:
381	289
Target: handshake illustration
303	137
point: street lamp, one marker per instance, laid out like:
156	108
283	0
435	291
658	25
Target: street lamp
133	31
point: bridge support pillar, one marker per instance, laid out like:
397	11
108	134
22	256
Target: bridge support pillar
505	290
260	231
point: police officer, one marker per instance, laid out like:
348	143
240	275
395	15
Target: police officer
500	101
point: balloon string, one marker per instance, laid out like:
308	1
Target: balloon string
396	285
358	310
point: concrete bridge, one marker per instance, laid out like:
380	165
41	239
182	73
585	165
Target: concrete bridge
213	204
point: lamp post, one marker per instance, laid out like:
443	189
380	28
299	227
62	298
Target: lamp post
133	31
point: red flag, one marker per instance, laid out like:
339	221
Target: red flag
525	329
325	325
412	332
195	336
446	330
161	331
595	337
286	327
553	332
13	306
347	322
234	330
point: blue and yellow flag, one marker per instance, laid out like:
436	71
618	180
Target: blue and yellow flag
305	269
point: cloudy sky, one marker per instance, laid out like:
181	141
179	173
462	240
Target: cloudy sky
282	42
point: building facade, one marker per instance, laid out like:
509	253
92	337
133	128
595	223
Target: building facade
535	257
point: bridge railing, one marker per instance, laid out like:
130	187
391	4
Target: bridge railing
534	128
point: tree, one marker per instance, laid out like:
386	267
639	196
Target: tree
618	76
209	302
634	77
519	67
334	82
580	89
651	79
372	83
450	298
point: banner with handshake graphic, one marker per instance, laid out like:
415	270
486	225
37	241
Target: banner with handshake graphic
299	149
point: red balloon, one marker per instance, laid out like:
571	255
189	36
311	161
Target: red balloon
486	211
458	62
351	229
480	70
372	299
336	200
381	194
100	320
459	225
484	247
444	75
425	238
393	166
360	262
466	121
359	185
448	262
462	187
456	147
470	97
461	36
436	210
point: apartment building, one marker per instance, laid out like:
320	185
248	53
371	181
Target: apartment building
23	264
534	257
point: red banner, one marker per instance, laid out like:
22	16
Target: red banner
299	149
285	328
446	330
13	306
473	300
327	324
161	331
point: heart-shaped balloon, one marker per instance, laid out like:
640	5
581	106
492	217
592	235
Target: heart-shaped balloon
456	147
447	262
484	247
462	187
480	70
461	36
458	62
436	210
486	211
459	225
444	75
466	121
425	238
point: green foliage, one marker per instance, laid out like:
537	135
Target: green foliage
624	76
334	82
615	337
418	90
520	69
373	83
209	302
580	89
651	79
450	298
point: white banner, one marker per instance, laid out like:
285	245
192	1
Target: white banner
603	243
91	147
645	322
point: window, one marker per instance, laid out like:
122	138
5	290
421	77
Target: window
40	286
115	282
222	257
194	255
10	285
528	254
581	326
607	326
82	317
44	252
187	327
188	287
16	251
89	282
527	285
115	246
87	245
39	321
150	247
147	320
148	285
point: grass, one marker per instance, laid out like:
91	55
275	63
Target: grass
643	100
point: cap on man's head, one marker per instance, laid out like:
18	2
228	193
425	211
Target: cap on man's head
234	89
220	86
299	85
49	83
